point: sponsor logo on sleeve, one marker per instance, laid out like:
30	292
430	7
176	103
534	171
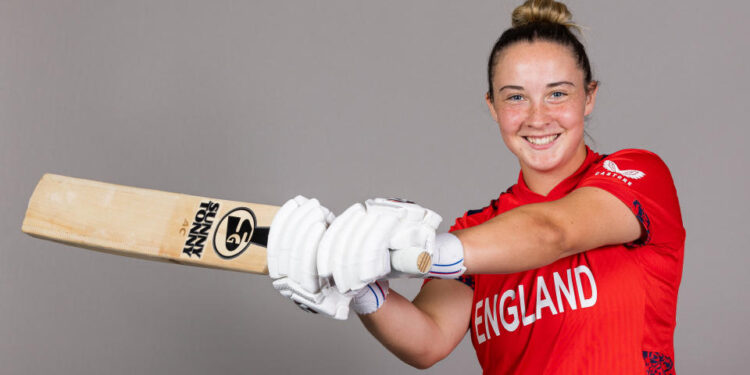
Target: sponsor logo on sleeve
624	175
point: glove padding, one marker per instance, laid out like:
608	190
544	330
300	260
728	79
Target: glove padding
293	241
328	301
356	249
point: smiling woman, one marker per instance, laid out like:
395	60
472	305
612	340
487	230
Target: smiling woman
557	267
574	269
540	106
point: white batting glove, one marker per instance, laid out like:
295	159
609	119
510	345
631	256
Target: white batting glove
448	258
296	231
361	243
370	298
328	301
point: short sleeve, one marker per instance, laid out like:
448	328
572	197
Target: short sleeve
473	217
642	181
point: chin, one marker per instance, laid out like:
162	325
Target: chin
543	164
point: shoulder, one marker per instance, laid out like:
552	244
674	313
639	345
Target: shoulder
638	157
632	164
643	182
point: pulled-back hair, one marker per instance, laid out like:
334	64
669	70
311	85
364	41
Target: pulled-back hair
546	20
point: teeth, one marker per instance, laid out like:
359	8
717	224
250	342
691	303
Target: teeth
542	140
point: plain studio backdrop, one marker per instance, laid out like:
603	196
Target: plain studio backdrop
340	100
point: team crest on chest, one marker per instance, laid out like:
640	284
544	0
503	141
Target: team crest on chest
624	175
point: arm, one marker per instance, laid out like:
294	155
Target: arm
425	331
538	234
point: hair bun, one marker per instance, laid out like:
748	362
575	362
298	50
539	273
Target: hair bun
550	11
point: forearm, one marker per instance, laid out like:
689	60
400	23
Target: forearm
426	330
520	239
406	331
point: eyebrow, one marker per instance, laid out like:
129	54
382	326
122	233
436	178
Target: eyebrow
553	84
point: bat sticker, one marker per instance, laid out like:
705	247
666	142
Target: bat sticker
235	232
204	219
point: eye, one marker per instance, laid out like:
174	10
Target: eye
558	94
515	97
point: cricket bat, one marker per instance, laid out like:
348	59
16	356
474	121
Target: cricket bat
163	226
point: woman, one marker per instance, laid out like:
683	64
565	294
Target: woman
575	269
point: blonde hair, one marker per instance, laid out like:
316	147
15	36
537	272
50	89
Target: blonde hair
543	11
547	20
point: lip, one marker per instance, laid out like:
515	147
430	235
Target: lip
542	147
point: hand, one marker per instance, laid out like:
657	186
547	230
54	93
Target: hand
361	244
296	231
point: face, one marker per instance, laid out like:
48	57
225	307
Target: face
540	101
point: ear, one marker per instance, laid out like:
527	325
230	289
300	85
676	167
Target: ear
591	97
491	106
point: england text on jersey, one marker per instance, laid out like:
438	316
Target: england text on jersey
507	309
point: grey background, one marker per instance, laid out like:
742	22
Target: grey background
340	100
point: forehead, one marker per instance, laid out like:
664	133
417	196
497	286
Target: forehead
537	61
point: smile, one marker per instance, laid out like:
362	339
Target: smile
541	141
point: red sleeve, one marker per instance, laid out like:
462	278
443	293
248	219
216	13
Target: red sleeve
642	181
473	217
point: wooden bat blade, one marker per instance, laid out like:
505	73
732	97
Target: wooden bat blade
150	224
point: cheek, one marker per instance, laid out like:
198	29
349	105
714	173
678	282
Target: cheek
509	120
570	116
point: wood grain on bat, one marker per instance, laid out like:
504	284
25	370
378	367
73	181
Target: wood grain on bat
149	224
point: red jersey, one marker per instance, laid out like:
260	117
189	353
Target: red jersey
609	310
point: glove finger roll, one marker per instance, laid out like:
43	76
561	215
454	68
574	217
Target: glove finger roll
325	249
291	232
339	249
278	225
374	260
355	252
305	270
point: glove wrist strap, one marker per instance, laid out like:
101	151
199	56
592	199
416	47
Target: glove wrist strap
371	297
448	259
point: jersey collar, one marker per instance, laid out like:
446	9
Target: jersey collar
561	189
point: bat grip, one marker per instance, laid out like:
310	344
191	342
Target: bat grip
414	261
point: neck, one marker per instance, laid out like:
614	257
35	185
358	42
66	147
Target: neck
542	182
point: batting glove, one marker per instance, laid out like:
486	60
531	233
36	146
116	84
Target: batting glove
293	241
364	242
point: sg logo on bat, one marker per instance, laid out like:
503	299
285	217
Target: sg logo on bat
234	232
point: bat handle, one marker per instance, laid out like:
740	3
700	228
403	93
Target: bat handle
414	261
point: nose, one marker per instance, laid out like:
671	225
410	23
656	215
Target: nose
538	115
